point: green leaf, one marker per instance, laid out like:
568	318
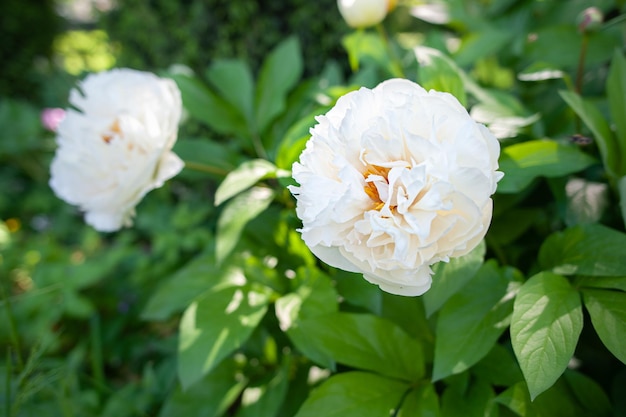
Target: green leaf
421	402
233	80
207	107
477	45
616	93
358	292
315	296
595	121
499	368
409	313
294	142
266	399
589	394
452	276
471	322
214	325
524	162
546	323
354	394
475	400
621	191
516	399
210	397
587	249
365	47
280	72
244	177
586	201
617	283
437	72
608	315
236	214
366	342
223	158
196	277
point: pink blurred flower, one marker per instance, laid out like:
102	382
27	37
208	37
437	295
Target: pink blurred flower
51	117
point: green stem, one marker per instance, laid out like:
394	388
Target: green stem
97	366
7	387
396	67
197	166
15	338
258	147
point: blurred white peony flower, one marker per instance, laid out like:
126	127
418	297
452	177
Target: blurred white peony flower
364	13
393	180
115	146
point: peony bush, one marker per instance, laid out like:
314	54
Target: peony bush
435	228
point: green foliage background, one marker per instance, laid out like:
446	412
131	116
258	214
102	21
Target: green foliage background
211	305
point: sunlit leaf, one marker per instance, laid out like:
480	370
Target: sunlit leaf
546	323
236	214
244	177
524	162
214	325
354	394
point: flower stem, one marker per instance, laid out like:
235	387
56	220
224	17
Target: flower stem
396	67
15	338
197	166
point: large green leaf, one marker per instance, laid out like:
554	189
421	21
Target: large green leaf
366	342
421	402
471	322
608	315
587	249
546	323
280	72
207	107
452	276
596	122
616	93
236	214
526	161
366	48
233	80
210	397
354	394
214	325
244	177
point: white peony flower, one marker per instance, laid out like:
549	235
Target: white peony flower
364	13
393	180
115	146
